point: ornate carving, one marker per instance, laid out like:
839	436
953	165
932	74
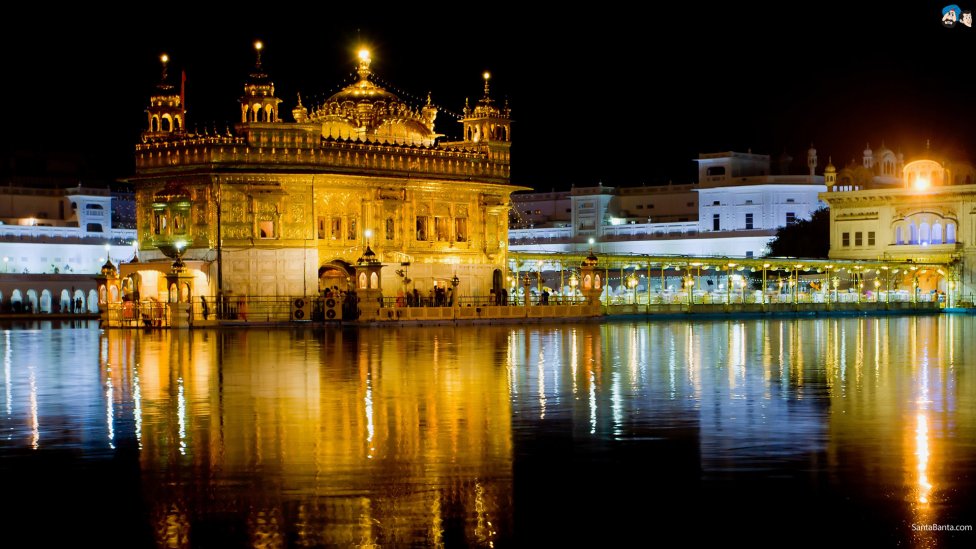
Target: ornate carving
237	231
298	213
391	194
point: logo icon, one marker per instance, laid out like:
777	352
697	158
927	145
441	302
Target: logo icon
950	14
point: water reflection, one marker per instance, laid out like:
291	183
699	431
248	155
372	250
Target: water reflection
324	438
480	435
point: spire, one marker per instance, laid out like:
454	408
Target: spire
487	77
364	60
300	112
164	59
258	46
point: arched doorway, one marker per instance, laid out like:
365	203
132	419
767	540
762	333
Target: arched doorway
16	302
45	302
335	276
496	281
78	301
31	301
92	301
64	302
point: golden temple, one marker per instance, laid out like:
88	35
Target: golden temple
273	208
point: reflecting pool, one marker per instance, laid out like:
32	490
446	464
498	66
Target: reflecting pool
765	432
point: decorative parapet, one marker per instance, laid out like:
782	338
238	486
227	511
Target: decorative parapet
339	156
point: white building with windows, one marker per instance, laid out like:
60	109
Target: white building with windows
734	210
52	230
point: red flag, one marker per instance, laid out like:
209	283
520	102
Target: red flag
183	95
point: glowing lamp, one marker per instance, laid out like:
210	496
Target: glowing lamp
364	54
921	184
258	45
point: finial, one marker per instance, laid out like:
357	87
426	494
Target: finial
364	60
928	144
486	76
258	46
428	99
299	100
165	60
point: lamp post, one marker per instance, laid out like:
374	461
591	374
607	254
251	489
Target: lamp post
538	286
764	267
632	284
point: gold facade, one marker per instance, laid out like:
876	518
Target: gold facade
265	210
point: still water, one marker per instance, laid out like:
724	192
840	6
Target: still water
782	432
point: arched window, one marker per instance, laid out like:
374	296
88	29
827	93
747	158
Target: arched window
92	301
362	281
154	124
898	235
936	233
924	235
45	305
587	282
912	233
596	282
166	124
950	233
374	281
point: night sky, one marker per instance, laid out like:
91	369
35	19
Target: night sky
604	94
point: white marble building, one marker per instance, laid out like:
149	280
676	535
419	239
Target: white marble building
50	230
734	210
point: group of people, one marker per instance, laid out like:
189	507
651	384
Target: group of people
498	298
436	297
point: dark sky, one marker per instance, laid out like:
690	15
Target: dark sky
611	94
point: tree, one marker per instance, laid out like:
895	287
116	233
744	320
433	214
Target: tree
804	238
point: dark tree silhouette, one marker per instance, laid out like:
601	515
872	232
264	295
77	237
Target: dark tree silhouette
804	238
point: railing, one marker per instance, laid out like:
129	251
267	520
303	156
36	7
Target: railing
38	233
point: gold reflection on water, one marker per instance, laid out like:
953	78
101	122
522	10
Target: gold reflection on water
383	437
924	487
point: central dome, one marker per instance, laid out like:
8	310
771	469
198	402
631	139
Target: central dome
367	112
363	91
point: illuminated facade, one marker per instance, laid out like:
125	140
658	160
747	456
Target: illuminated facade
734	210
921	210
276	208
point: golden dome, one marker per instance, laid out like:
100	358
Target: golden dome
368	112
363	91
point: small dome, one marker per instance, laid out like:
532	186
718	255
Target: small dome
368	257
590	260
108	269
